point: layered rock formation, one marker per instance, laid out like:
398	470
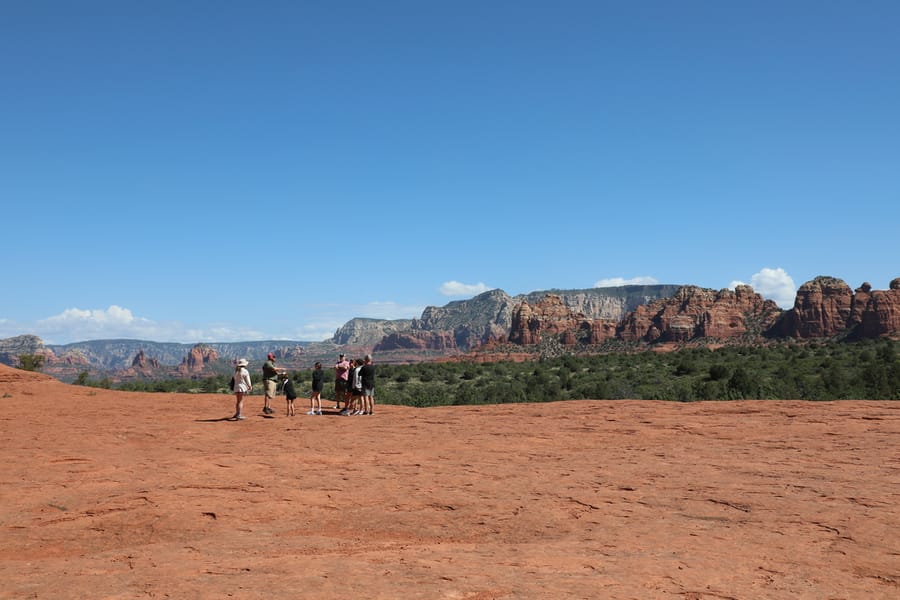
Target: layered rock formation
609	303
826	307
368	332
469	322
822	309
551	317
441	341
199	356
11	348
695	312
144	364
487	319
880	313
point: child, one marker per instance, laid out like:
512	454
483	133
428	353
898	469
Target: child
287	386
318	381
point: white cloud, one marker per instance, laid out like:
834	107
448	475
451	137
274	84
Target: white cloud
455	288
116	322
75	323
620	281
773	284
78	325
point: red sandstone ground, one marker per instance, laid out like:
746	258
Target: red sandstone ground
123	495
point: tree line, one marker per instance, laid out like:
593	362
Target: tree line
801	371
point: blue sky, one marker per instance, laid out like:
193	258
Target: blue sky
220	171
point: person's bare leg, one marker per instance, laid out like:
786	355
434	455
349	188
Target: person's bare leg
238	404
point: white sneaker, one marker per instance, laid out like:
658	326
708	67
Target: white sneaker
312	412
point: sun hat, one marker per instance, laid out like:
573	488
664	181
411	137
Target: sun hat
242	363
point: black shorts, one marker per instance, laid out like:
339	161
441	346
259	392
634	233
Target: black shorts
340	385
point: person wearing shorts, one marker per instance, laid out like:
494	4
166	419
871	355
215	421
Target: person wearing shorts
341	373
318	382
270	383
287	386
242	385
367	374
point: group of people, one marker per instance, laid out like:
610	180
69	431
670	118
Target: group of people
354	385
354	382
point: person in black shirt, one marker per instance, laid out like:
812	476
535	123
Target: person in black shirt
367	374
287	386
318	382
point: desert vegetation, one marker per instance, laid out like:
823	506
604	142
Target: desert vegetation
814	371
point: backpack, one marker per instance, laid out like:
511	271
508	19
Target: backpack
231	384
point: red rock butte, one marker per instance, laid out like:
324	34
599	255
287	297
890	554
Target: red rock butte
110	494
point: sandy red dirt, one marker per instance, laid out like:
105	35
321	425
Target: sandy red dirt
109	494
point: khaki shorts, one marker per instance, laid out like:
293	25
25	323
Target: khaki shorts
271	388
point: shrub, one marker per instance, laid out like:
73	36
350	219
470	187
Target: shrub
31	362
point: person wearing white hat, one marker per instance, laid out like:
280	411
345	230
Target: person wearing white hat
242	385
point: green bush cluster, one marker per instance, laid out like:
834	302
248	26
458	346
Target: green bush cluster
814	371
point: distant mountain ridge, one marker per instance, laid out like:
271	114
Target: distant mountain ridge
368	332
465	324
457	326
495	322
119	354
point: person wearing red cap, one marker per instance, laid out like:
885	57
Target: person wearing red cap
270	382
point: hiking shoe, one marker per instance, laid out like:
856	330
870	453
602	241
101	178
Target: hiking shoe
238	417
267	410
312	412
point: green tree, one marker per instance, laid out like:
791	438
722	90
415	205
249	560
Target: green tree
31	362
718	372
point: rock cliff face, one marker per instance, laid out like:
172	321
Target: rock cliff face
368	332
880	315
11	348
549	316
826	307
144	364
199	356
611	303
488	317
695	312
469	322
822	309
441	341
